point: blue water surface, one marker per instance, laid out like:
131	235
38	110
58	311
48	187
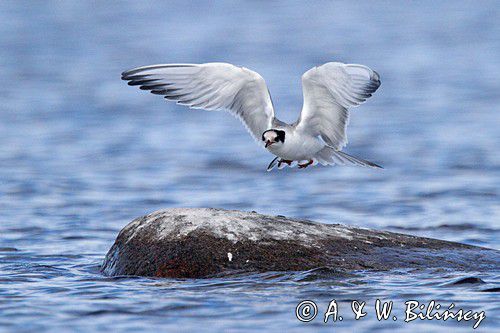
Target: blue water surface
82	154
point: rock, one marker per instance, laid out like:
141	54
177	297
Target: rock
203	242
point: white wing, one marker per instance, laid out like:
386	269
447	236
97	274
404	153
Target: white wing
329	91
211	86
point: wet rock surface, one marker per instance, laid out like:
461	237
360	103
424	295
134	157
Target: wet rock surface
204	242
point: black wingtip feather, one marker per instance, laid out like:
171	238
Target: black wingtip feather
141	82
158	92
375	165
152	86
272	164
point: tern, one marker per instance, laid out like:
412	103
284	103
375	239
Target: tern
319	134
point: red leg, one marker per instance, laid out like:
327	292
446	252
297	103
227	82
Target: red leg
305	165
284	161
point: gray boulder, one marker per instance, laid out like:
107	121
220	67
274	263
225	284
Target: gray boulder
203	242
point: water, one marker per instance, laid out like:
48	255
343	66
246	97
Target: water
82	154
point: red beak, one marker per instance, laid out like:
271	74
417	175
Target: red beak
268	143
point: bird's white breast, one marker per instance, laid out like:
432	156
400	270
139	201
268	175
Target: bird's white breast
297	146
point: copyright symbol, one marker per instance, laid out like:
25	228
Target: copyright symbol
306	311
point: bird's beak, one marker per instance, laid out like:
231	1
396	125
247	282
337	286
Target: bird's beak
268	143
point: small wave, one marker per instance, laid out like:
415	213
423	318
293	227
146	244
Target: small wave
8	249
459	193
446	226
467	280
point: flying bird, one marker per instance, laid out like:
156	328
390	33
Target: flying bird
319	134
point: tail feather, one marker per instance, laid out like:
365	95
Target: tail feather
329	155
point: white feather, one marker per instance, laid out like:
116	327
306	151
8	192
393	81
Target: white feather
329	91
211	86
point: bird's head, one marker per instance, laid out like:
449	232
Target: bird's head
273	136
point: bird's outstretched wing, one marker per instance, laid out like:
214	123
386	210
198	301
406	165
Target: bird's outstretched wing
329	91
210	86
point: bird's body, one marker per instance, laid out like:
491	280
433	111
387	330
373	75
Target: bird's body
318	136
298	146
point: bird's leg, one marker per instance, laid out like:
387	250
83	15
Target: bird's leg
281	161
305	165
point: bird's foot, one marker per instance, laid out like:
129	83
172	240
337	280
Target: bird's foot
289	162
305	165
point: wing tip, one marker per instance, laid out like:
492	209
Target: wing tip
375	165
128	73
376	77
272	164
